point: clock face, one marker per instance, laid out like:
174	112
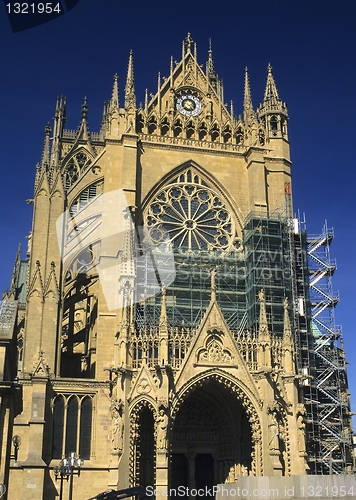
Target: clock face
189	105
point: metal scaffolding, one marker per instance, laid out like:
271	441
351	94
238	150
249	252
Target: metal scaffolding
276	256
331	378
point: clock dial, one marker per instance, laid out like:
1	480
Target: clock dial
189	105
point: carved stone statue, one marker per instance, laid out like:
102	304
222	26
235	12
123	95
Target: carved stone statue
273	432
301	433
162	429
117	425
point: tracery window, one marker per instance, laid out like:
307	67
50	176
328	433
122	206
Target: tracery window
72	424
76	165
78	339
192	215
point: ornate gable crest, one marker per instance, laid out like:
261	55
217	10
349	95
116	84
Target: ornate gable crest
144	385
41	368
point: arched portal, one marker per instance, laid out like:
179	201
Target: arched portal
211	439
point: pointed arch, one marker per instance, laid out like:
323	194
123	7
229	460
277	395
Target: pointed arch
75	164
152	124
143	416
242	394
199	176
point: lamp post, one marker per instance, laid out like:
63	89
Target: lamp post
66	469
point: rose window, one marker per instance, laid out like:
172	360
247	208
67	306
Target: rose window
192	216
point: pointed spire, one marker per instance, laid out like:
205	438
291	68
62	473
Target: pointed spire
273	111
271	93
163	345
115	92
264	338
146	100
15	275
163	320
84	110
46	146
58	126
263	323
210	71
287	342
83	128
232	109
213	285
130	97
249	114
287	326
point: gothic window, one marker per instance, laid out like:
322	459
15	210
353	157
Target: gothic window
274	125
191	215
202	132
261	137
84	198
78	336
239	136
227	134
58	427
215	133
140	124
165	127
152	125
76	165
19	350
177	128
72	423
190	130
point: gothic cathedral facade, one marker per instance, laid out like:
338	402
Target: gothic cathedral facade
158	338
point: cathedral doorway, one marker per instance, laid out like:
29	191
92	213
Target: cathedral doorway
211	439
145	448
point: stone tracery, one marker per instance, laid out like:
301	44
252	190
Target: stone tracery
192	214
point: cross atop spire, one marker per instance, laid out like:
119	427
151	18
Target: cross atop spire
130	97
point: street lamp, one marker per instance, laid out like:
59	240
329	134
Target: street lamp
66	469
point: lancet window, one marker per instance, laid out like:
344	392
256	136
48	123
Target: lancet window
72	424
78	340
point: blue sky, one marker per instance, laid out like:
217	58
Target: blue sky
311	45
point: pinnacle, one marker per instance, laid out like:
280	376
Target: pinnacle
130	98
249	114
84	110
271	89
115	90
188	42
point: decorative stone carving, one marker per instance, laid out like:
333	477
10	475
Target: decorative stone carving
301	429
162	428
214	353
116	409
273	432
